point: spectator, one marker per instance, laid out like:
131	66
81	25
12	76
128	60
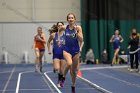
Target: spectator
90	57
123	57
133	47
104	57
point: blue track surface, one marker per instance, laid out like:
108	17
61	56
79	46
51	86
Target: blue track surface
114	80
111	79
81	87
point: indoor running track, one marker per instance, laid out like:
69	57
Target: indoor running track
95	79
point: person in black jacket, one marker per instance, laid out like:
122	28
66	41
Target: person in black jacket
133	46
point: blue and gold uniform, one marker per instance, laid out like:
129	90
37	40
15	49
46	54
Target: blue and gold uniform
58	47
71	42
116	43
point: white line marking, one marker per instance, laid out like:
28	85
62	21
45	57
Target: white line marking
33	89
47	82
5	72
94	85
2	72
8	90
49	72
19	78
18	83
103	67
121	80
96	68
5	87
52	83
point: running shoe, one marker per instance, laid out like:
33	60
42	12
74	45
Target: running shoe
62	82
73	89
40	67
58	85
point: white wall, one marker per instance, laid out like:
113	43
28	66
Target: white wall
37	10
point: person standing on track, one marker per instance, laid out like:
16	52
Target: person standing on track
116	39
58	59
71	49
133	46
39	46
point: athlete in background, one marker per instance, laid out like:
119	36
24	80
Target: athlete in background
116	39
39	46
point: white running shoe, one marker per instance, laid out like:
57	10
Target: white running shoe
137	70
131	70
58	85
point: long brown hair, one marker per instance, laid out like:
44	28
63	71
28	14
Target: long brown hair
59	22
53	29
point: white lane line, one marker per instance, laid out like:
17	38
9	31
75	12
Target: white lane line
41	89
90	68
18	83
96	68
33	89
5	72
94	85
121	80
5	87
8	90
19	79
52	82
44	78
